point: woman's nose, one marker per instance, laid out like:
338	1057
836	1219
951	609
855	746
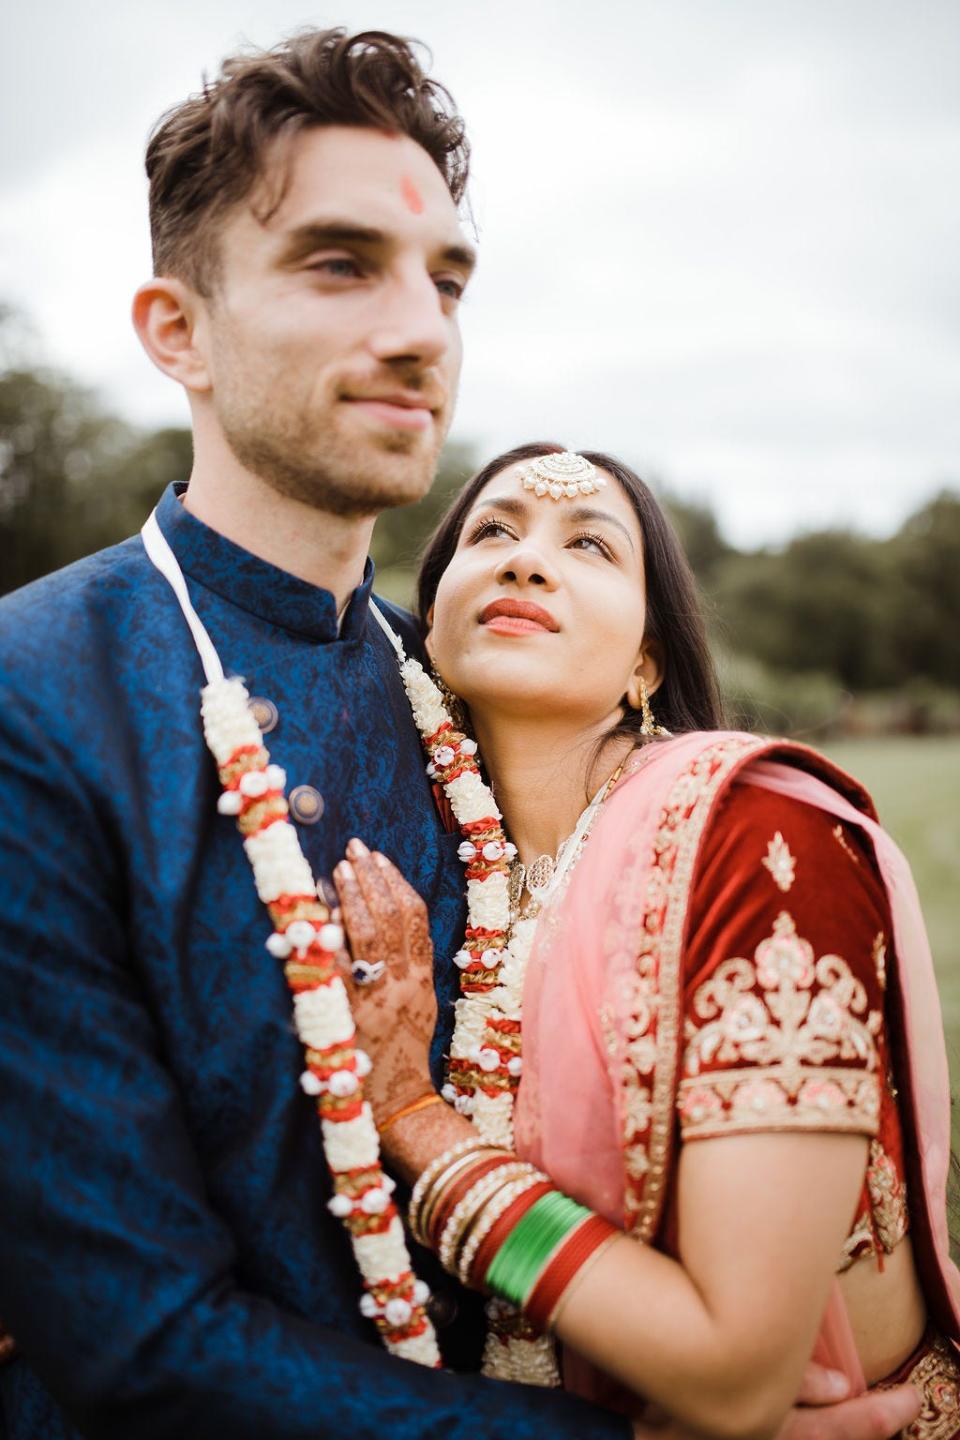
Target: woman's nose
526	565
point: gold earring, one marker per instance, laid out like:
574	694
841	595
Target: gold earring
648	726
454	704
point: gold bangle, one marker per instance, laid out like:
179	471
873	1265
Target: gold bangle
439	1187
432	1099
436	1167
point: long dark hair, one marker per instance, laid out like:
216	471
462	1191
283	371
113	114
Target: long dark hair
689	696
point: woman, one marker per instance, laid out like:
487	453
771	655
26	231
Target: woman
715	974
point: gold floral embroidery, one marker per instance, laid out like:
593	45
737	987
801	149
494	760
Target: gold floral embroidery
781	1043
781	864
888	1198
937	1376
844	844
651	996
886	1220
880	959
858	1243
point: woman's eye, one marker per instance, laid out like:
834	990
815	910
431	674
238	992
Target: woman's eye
488	529
586	541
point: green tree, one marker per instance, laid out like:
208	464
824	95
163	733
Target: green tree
825	604
699	532
73	477
926	623
400	535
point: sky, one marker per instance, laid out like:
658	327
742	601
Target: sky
718	238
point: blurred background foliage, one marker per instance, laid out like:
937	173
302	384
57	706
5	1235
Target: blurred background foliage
833	634
850	642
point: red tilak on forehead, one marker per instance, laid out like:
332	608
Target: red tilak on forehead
411	195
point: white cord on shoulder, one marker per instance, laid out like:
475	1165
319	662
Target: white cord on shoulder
157	548
387	629
166	562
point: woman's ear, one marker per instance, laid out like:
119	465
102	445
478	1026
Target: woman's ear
170	319
649	669
428	638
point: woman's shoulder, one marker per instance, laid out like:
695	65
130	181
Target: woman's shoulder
784	970
773	848
717	757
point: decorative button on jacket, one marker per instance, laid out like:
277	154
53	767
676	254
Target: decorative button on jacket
167	1261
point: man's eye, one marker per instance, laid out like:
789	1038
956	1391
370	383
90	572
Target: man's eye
339	266
450	288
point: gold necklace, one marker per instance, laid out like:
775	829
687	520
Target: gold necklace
538	878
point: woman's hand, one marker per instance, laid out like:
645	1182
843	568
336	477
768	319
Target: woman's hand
878	1415
395	1015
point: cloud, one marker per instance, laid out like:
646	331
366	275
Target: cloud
719	239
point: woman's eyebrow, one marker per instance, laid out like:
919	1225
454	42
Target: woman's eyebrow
510	503
583	514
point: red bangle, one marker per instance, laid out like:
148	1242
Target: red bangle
501	1229
560	1269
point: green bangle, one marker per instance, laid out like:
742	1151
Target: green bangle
517	1265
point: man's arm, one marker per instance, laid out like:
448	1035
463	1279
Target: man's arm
116	1276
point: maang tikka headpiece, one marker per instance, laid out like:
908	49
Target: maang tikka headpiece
562	477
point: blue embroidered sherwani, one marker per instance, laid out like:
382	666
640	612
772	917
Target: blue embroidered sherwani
167	1262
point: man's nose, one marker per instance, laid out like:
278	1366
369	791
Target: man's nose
412	325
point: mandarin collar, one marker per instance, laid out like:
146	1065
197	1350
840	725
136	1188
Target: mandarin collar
255	585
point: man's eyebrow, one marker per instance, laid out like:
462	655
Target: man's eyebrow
316	235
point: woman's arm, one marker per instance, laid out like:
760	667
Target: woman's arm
823	1411
713	1339
720	1340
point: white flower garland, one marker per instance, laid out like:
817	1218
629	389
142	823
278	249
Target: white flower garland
485	1061
306	940
485	1054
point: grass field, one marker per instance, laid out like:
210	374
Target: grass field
916	786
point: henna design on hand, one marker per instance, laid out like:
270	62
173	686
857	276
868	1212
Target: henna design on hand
385	919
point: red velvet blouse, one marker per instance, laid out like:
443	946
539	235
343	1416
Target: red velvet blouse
784	993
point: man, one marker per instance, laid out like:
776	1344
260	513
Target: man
167	1262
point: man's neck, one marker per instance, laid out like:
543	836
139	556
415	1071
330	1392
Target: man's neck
326	550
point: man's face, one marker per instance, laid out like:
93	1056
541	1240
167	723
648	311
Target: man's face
332	333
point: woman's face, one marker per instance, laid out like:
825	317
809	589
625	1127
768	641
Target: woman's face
542	608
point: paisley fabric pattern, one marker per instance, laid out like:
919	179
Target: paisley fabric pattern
167	1263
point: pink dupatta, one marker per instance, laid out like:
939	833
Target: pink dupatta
603	997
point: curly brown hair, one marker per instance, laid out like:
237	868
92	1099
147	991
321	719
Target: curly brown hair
209	153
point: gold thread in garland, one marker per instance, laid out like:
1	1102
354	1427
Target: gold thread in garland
516	1266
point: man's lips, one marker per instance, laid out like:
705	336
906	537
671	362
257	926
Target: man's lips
516	617
406	412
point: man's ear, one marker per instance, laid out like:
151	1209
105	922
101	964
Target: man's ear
171	320
649	669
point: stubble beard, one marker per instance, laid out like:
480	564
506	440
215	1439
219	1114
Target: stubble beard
319	463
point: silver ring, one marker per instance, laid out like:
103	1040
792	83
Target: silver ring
365	972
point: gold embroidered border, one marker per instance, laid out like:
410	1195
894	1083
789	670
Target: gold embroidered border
779	1097
937	1376
649	1117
